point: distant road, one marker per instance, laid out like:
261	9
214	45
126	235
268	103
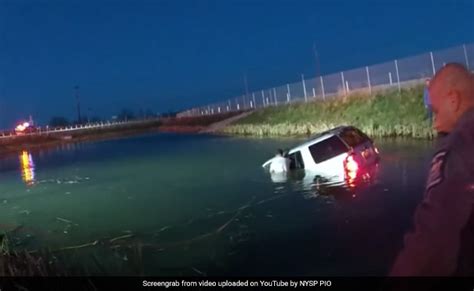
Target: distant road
11	142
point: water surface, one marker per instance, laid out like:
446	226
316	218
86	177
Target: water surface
198	204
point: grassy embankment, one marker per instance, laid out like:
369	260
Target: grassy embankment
382	114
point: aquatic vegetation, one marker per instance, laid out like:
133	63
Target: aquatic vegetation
122	254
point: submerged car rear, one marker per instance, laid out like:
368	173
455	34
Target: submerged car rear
362	156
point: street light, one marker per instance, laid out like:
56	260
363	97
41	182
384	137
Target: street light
76	88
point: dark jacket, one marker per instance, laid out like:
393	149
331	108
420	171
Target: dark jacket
442	242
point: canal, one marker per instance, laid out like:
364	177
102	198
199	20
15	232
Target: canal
169	204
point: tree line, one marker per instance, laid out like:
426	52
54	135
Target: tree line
123	115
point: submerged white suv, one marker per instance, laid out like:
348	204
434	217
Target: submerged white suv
342	154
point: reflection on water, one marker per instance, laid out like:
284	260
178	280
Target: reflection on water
313	186
27	168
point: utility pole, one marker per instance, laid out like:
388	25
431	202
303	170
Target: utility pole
246	87
316	58
89	110
76	88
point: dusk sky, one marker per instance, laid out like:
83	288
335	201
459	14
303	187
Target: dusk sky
172	55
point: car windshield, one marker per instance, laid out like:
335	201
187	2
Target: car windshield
327	149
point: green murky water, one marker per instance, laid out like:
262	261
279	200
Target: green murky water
192	205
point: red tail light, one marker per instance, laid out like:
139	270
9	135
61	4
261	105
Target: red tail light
351	167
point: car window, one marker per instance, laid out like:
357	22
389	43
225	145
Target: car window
296	160
327	149
353	137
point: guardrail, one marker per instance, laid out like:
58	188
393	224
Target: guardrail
78	127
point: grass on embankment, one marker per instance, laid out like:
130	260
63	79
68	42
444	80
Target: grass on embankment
383	114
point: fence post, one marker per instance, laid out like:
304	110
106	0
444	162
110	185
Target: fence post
398	76
432	63
275	95
314	93
253	98
368	79
322	87
288	94
390	78
263	99
304	88
343	83
465	56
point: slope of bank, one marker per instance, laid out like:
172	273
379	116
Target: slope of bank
382	114
218	126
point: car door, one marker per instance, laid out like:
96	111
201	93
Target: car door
296	160
328	156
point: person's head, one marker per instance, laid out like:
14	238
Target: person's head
427	82
279	153
451	93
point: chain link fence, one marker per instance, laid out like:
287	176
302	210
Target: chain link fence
397	73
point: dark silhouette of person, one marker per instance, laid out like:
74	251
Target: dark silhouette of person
442	241
427	102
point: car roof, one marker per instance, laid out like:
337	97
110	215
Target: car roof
321	136
335	130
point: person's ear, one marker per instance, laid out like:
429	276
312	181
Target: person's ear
454	98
